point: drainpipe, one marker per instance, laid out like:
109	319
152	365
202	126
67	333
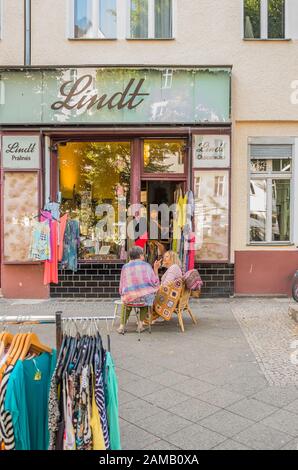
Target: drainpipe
27	38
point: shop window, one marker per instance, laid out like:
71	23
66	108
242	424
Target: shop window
94	19
270	194
20	206
151	19
212	215
264	19
95	189
164	156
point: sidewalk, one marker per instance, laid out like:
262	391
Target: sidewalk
226	383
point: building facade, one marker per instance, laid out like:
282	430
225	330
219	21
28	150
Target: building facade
106	99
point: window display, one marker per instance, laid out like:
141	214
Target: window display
95	190
211	191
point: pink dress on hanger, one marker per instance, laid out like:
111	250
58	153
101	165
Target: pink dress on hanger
62	227
51	266
192	251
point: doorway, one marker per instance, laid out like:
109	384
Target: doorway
158	199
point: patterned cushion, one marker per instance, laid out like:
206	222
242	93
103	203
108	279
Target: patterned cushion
167	299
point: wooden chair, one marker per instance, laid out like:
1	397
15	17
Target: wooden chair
183	304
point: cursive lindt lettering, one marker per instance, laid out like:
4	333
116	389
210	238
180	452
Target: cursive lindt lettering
16	148
79	95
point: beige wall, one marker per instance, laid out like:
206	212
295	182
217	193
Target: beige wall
12	32
208	33
240	182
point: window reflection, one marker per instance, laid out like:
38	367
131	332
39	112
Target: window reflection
83	18
276	19
258	207
164	156
211	190
108	19
281	210
139	19
252	19
94	184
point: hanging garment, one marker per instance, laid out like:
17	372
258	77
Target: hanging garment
54	412
27	400
191	252
40	245
71	245
98	442
111	398
83	427
7	438
101	405
51	267
62	228
54	209
69	439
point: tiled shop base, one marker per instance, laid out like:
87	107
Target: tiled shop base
218	280
98	280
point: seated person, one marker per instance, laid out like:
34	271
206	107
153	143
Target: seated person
172	263
138	285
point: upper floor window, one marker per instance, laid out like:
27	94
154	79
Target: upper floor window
264	19
94	19
151	19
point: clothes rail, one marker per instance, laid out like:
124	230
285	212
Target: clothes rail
56	319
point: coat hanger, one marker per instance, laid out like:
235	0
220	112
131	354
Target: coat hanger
16	349
5	340
32	342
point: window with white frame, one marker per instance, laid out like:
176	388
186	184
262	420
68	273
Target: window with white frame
264	19
94	19
270	193
150	19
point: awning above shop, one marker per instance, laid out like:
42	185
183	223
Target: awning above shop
114	95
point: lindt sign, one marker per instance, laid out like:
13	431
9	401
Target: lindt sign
79	95
211	151
21	152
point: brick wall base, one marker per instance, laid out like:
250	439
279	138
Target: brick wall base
218	280
99	280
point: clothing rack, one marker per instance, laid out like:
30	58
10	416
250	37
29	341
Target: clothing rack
53	320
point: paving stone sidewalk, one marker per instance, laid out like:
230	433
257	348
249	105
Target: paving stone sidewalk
226	383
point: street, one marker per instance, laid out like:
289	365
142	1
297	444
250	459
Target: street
229	382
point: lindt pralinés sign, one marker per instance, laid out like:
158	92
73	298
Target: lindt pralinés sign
115	95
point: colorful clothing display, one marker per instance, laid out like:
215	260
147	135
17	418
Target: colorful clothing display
83	398
137	280
27	401
71	243
40	246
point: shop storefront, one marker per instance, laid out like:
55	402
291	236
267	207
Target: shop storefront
97	141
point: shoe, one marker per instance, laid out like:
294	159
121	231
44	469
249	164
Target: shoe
153	319
121	330
142	328
158	320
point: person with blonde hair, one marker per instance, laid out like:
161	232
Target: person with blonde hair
171	262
